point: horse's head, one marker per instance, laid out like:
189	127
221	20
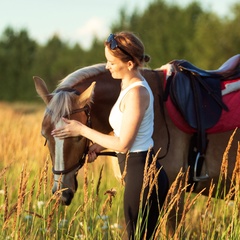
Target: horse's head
67	155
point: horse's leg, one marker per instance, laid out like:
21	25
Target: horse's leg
213	160
174	206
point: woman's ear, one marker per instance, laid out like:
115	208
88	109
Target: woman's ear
130	65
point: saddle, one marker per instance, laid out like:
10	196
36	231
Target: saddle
196	93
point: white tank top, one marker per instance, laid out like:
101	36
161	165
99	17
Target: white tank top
143	139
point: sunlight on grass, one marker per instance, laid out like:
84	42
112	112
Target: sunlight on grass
28	210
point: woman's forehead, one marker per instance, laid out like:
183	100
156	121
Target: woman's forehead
109	56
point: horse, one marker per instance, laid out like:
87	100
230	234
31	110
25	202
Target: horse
87	95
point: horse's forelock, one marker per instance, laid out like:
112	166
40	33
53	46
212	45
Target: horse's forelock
60	105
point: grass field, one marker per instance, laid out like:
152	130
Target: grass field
28	210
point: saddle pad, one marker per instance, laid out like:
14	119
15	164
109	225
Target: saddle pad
228	120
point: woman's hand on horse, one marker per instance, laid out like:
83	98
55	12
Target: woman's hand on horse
91	157
94	149
71	129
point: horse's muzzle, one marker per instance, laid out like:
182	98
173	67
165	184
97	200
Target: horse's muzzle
66	196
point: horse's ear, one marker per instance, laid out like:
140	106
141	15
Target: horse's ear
41	89
87	96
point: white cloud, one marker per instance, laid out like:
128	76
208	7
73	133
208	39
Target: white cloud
95	27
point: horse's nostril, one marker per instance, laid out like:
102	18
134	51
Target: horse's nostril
67	197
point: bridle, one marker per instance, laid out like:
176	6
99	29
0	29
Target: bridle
81	161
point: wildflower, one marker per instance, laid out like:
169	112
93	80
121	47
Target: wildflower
80	236
105	226
63	223
40	204
103	217
116	226
230	204
28	218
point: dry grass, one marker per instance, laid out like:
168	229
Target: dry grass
29	210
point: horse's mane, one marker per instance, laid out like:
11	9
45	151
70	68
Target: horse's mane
63	97
83	73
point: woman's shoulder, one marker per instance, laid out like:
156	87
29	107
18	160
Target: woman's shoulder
139	91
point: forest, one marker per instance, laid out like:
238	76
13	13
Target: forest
168	31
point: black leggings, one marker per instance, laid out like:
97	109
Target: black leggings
133	187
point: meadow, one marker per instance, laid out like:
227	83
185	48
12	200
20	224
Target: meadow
29	210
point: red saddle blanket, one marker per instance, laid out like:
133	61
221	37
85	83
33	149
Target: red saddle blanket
229	120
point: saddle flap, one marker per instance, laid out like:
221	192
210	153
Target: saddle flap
195	103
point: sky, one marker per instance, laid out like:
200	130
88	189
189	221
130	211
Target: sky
78	21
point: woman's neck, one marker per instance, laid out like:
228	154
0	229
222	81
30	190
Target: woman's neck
137	77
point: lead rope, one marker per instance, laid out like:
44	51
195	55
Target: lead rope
109	153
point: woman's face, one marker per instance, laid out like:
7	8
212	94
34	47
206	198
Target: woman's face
117	68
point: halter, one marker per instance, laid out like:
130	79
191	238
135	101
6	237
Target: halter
81	161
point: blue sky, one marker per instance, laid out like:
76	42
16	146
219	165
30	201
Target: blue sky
78	20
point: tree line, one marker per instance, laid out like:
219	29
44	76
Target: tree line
168	31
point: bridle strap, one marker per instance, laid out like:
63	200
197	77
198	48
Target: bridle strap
77	166
86	109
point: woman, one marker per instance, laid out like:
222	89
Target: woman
132	119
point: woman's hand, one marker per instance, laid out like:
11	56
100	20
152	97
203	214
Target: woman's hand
94	149
72	128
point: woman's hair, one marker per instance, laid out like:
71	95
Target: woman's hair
127	46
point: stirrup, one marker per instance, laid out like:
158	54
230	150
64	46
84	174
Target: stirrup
203	177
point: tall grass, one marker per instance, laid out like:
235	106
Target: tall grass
28	210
